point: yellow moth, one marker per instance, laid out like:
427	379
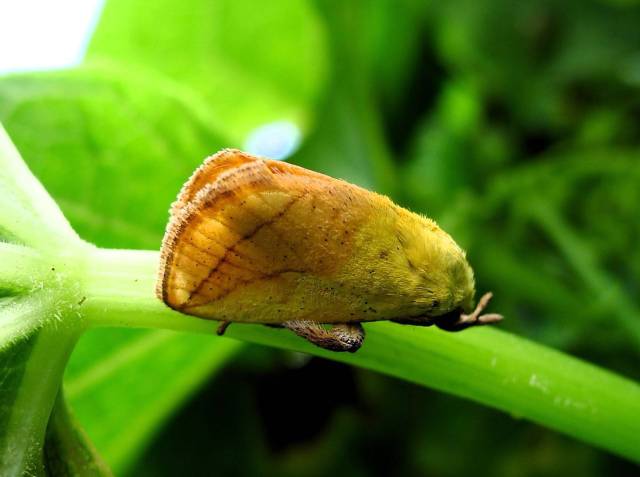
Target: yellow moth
251	240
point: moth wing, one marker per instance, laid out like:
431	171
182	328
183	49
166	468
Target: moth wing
225	232
208	172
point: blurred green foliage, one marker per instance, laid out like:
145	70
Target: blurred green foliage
515	124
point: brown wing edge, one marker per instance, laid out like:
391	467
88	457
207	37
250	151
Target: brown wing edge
208	172
178	224
182	208
175	227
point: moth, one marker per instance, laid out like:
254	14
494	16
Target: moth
251	240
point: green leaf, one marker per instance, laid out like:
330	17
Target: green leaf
390	44
126	142
553	214
440	166
147	373
28	215
251	65
349	141
529	56
30	375
68	451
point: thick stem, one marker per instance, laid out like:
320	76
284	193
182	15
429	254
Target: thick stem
486	365
120	292
20	269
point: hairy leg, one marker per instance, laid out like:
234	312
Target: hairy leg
339	337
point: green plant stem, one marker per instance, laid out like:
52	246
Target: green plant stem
19	268
486	365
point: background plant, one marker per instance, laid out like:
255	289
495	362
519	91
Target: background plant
515	126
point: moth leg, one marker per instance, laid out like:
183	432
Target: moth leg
340	337
223	327
451	322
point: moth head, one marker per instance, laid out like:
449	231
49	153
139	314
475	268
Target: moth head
441	277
